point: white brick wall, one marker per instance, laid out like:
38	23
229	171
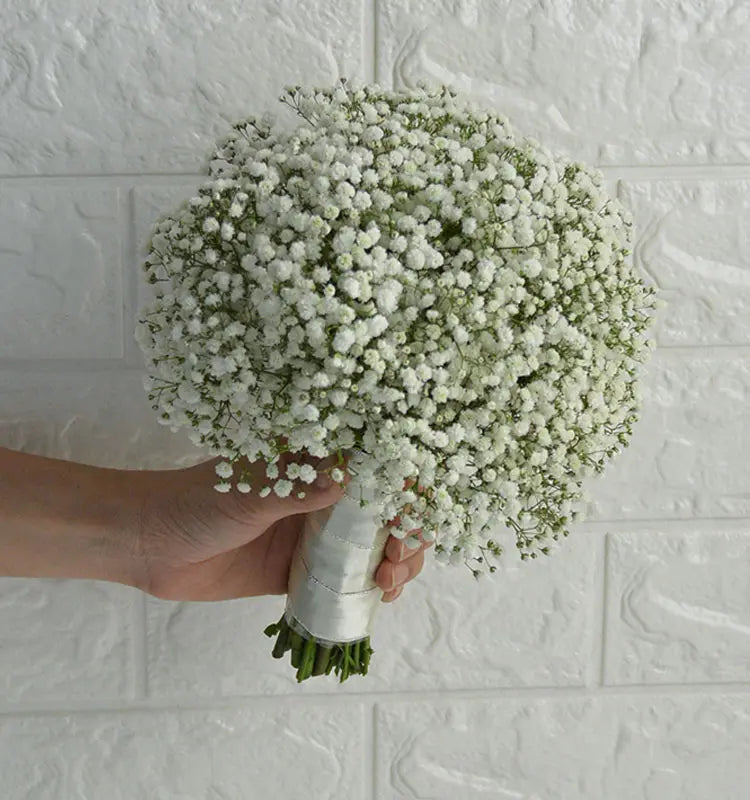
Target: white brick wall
617	669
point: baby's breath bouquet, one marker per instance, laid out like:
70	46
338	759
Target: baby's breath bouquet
396	280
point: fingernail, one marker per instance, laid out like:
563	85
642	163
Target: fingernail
400	573
323	481
396	593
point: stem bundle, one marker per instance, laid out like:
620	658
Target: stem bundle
310	657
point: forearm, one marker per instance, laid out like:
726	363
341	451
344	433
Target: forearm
60	519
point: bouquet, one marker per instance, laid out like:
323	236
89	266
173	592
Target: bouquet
393	279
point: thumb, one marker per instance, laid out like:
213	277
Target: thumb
322	493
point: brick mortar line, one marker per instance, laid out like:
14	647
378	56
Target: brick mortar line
117	177
603	609
128	275
369	725
369	41
140	649
686	524
739	171
177	704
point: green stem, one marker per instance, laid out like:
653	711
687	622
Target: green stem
368	652
308	659
345	663
297	644
282	642
322	658
274	627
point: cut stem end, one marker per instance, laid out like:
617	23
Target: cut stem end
310	658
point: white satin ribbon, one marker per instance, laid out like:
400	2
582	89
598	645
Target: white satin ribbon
332	592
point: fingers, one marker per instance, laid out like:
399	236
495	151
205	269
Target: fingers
398	549
264	502
400	565
389	597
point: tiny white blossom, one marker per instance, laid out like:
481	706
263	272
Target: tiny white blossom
343	340
224	469
293	470
307	473
283	488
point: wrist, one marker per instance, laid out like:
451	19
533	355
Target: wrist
60	519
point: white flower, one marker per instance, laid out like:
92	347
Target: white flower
307	473
373	134
532	268
387	296
351	286
292	471
332	421
338	397
190	395
415	259
283	488
362	283
224	469
377	325
343	340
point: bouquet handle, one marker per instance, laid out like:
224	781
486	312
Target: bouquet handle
332	597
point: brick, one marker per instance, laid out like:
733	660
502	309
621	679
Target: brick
62	288
688	455
528	624
95	417
150	203
682	747
677	606
138	86
249	752
215	649
63	640
616	83
693	242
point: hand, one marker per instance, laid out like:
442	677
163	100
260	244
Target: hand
199	544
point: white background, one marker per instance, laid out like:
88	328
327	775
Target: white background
617	668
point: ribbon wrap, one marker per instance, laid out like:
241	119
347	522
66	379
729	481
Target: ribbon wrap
332	593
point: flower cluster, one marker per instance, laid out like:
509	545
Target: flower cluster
399	279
